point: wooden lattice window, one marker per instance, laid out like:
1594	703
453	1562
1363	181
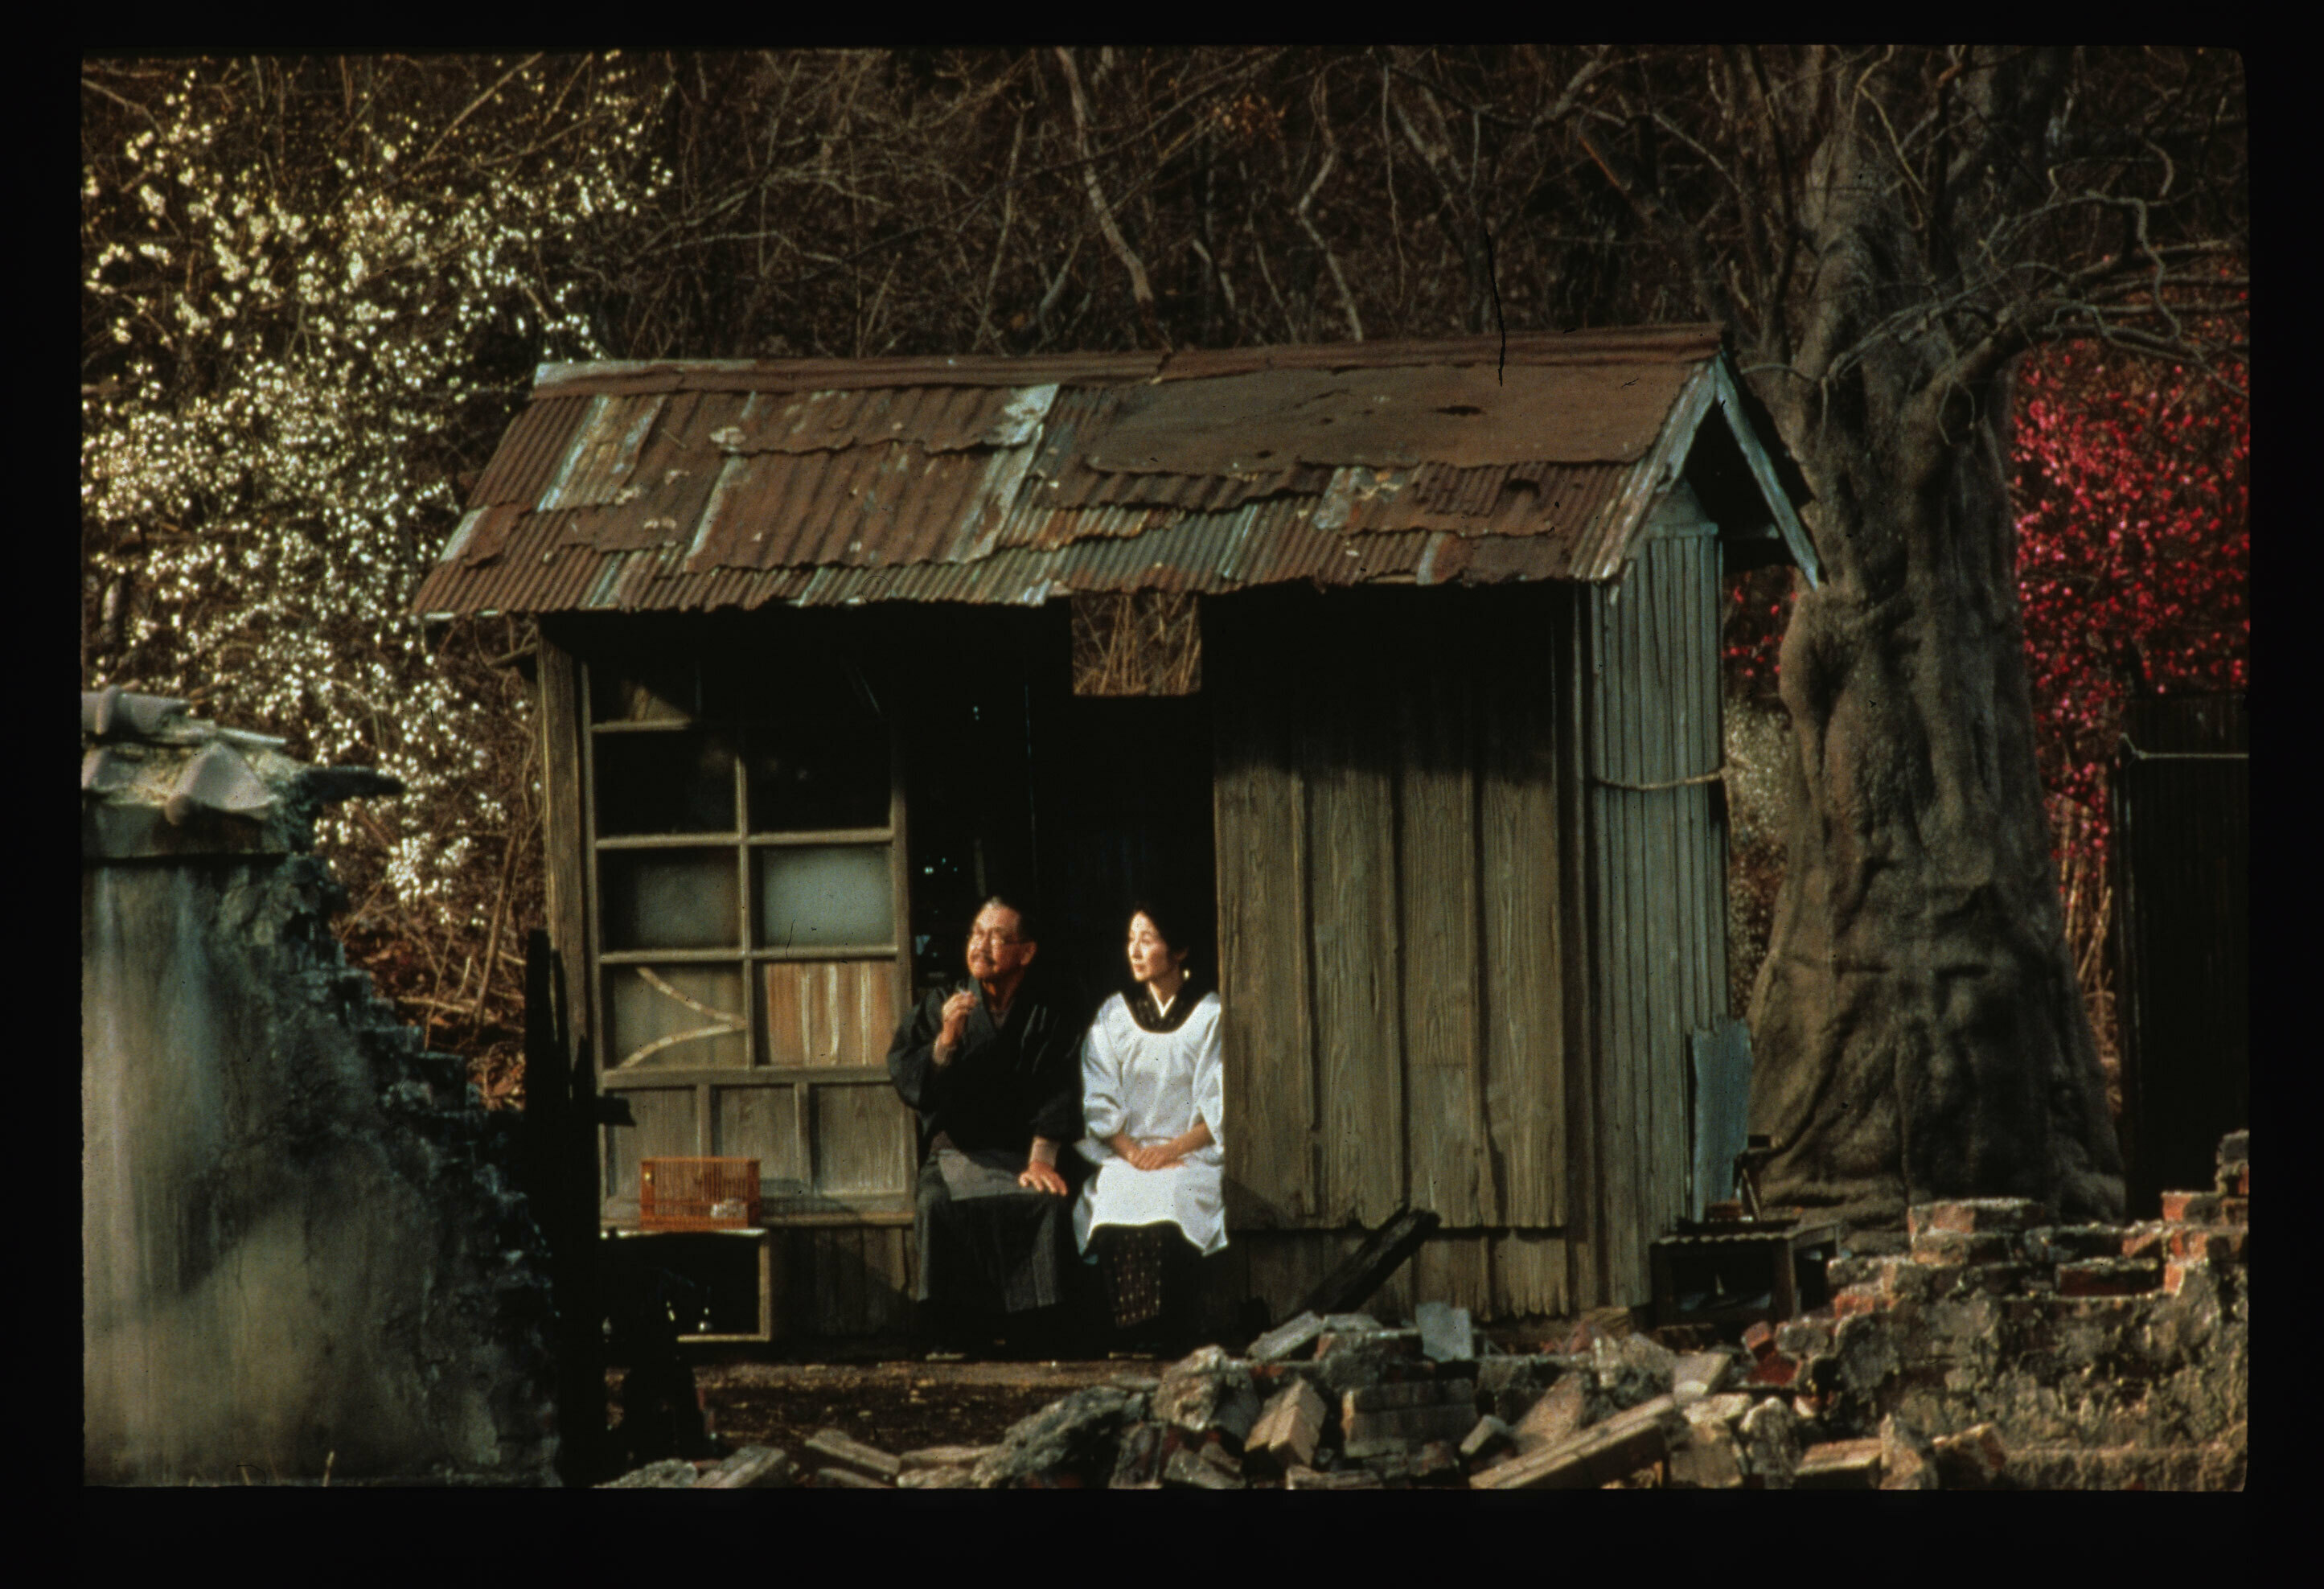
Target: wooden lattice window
746	854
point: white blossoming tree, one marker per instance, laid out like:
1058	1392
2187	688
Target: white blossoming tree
312	293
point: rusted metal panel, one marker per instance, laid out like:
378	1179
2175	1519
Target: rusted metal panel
536	441
1637	344
700	485
934	418
1469	418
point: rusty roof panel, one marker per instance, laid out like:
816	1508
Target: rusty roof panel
602	453
875	504
935	419
1558	500
536	441
1637	344
736	484
1257	424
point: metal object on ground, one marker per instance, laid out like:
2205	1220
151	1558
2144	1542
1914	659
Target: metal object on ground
1740	1272
1757	1153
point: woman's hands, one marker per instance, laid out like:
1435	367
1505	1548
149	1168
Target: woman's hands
1159	1155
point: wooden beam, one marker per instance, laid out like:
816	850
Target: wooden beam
1368	1269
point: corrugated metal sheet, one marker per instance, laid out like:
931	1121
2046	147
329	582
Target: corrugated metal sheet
732	482
1655	857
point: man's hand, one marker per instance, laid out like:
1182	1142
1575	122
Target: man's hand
956	1011
1043	1178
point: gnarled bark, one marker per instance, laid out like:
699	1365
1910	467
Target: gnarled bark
1920	1031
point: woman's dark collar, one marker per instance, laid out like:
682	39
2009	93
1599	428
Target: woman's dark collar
1143	1011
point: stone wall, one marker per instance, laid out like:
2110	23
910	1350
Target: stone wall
300	1251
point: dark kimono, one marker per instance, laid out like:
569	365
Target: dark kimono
986	1244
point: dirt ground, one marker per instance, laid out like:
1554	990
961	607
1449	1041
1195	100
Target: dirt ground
898	1405
900	1402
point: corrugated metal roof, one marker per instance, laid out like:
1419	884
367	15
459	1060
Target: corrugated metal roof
713	483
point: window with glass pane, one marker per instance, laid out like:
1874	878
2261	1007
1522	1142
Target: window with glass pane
822	767
826	897
670	900
746	878
666	780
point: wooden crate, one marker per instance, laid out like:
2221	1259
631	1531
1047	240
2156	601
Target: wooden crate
698	1194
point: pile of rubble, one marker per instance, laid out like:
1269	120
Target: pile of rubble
2094	1356
1991	1351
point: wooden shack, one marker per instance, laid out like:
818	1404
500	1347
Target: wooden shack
1404	657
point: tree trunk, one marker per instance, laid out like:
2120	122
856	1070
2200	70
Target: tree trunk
1920	1032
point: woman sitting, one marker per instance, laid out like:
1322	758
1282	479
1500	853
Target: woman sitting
1153	1098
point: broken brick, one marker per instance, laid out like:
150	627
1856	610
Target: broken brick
1972	1459
2108	1277
1759	1339
1708	1459
1407	1394
1488	1439
2205	1208
1287	1430
1839	1465
753	1467
1973	1215
1777	1368
1553	1417
1857	1269
2230	1244
1698	1375
1597	1455
1858	1299
1187	1470
838	1450
1946	1245
1907	1459
1436	1463
1286	1339
1372	1433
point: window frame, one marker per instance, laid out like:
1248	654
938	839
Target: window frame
759	1069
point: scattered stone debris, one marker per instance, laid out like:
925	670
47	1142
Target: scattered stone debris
842	1455
1980	1348
1071	1444
673	1472
753	1467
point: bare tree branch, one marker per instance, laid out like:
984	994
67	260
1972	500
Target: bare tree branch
1140	289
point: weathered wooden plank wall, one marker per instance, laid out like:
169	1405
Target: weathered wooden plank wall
1259	813
1393	924
830	1011
1656	882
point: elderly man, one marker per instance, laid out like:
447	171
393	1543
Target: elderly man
994	1069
